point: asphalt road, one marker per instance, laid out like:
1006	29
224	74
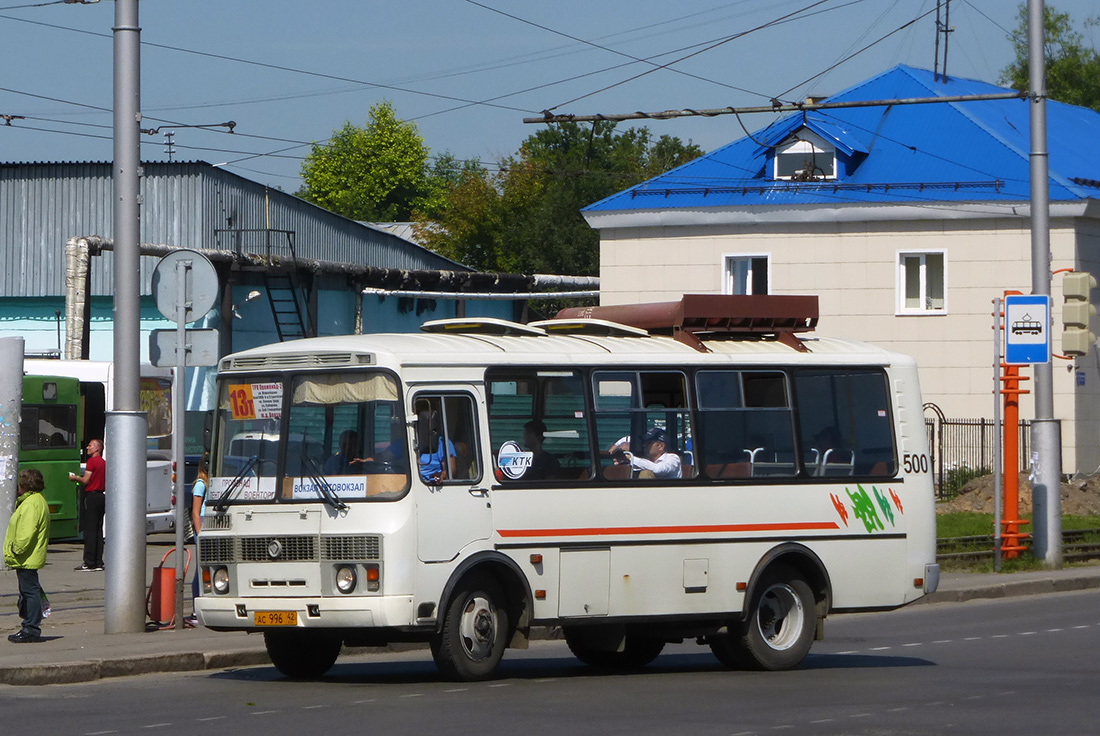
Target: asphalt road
1013	666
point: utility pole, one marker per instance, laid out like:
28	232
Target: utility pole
124	610
11	411
1046	431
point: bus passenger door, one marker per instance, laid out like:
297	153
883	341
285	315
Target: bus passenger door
453	506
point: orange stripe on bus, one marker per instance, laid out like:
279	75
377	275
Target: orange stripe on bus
621	530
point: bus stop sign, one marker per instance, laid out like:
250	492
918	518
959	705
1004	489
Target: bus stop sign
1027	329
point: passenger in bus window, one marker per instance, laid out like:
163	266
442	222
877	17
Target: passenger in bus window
658	461
433	466
343	461
543	464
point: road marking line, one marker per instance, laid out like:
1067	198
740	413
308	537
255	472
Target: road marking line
457	690
1051	631
822	720
502	684
915	644
313	707
157	725
898	710
359	702
880	649
943	641
211	718
413	695
860	715
99	733
1028	633
263	712
999	636
850	651
973	638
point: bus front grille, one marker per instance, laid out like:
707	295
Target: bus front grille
278	549
352	548
223	550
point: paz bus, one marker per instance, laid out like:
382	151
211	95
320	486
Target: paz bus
94	381
464	484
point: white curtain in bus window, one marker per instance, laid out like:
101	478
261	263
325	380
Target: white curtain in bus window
631	403
538	426
348	424
845	423
746	427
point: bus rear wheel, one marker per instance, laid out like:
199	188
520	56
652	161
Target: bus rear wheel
779	629
637	652
475	631
302	655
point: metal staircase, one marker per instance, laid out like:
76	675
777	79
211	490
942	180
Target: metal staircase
286	304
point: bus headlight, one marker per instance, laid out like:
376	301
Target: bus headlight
221	581
345	578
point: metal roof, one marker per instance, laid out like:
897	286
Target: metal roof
185	204
973	151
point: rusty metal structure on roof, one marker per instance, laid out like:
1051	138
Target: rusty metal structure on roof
697	317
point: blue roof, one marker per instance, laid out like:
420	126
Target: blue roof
954	152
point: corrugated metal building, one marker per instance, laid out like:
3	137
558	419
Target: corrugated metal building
252	232
186	204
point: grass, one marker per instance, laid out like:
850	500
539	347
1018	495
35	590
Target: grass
972	524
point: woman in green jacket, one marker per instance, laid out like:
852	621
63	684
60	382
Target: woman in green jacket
25	552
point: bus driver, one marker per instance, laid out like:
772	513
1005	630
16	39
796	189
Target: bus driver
658	462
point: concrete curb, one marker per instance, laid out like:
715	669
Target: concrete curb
1011	589
97	669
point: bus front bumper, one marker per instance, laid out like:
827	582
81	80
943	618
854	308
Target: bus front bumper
261	614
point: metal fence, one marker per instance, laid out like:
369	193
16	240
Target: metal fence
962	449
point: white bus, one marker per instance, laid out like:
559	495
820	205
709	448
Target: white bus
97	398
793	482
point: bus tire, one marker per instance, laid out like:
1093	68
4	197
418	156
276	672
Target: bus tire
638	651
302	655
779	629
475	631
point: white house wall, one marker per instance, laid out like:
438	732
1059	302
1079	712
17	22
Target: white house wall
852	268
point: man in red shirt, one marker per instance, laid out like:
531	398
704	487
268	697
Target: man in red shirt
92	506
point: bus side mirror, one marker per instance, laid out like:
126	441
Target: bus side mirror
423	431
207	430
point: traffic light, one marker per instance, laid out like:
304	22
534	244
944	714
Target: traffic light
1076	338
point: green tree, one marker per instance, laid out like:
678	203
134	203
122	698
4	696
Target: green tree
526	217
377	173
1072	67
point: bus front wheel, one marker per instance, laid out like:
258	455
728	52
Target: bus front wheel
302	655
779	629
475	631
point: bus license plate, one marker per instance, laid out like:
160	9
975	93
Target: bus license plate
276	618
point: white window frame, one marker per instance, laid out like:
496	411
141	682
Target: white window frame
811	142
727	272
900	285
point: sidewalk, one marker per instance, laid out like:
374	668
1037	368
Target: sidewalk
77	650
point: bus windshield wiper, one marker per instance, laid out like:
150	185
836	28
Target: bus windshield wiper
223	503
328	495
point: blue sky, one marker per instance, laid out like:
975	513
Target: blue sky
289	73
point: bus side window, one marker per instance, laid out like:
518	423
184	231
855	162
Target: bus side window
446	438
846	426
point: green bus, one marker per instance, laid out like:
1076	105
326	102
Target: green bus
50	441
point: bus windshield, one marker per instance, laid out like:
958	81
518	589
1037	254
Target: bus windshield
327	435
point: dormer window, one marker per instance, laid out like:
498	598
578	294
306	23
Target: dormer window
805	156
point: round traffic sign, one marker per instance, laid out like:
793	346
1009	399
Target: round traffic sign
200	285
